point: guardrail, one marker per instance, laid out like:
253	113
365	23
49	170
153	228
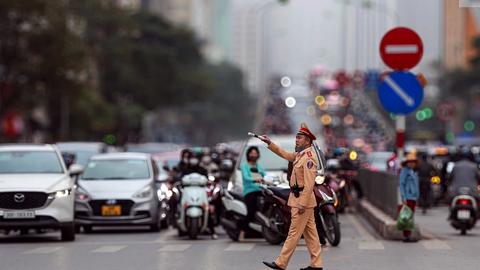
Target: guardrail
381	190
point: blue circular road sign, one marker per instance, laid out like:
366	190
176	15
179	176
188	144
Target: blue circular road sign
400	92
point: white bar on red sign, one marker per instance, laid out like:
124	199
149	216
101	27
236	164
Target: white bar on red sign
401	49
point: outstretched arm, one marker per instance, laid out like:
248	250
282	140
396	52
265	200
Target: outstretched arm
277	150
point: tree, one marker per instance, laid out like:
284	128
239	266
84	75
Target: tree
41	59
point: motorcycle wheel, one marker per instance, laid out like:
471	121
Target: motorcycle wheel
463	229
320	230
194	228
272	237
164	224
234	235
332	229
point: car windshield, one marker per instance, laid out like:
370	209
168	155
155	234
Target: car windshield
30	162
269	160
82	157
116	169
379	160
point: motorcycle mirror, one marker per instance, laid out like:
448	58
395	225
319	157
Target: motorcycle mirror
320	179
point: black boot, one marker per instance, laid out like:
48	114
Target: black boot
273	265
312	268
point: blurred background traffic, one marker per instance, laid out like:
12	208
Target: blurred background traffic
158	90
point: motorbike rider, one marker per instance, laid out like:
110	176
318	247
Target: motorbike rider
207	163
182	166
252	175
464	174
193	166
425	172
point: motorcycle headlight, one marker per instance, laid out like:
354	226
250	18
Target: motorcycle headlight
342	183
164	192
81	194
144	193
164	188
435	180
60	193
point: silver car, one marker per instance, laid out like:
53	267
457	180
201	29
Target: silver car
118	189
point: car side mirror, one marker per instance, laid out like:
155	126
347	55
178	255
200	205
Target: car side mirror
75	169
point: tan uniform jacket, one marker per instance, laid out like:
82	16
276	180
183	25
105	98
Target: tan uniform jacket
304	172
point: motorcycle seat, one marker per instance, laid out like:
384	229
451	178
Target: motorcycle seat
283	193
237	195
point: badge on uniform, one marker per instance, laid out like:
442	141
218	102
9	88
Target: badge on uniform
309	164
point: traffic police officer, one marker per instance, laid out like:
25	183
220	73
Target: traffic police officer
302	199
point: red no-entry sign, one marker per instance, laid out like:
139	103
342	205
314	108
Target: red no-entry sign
401	48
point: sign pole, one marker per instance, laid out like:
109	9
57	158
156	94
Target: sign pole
400	133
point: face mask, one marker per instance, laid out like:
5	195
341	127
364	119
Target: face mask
206	160
185	160
252	158
299	149
193	161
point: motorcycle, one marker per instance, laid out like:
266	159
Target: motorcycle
234	216
214	195
193	209
339	186
463	210
326	216
275	216
165	194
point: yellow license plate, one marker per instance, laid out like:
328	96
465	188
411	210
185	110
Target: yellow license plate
111	210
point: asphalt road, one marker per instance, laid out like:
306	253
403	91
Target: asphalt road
119	249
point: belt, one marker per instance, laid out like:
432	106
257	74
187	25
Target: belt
300	189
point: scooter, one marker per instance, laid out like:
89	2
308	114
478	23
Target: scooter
193	210
463	210
234	216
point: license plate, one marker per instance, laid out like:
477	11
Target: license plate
19	215
111	210
463	214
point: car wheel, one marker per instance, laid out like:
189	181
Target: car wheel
87	229
156	226
68	232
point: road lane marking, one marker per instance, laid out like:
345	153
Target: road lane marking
240	247
401	49
435	244
43	250
359	227
108	249
165	235
369	242
175	248
399	91
369	245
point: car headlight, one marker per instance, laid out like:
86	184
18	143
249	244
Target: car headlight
144	193
60	193
81	195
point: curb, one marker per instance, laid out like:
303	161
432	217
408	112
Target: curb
384	225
